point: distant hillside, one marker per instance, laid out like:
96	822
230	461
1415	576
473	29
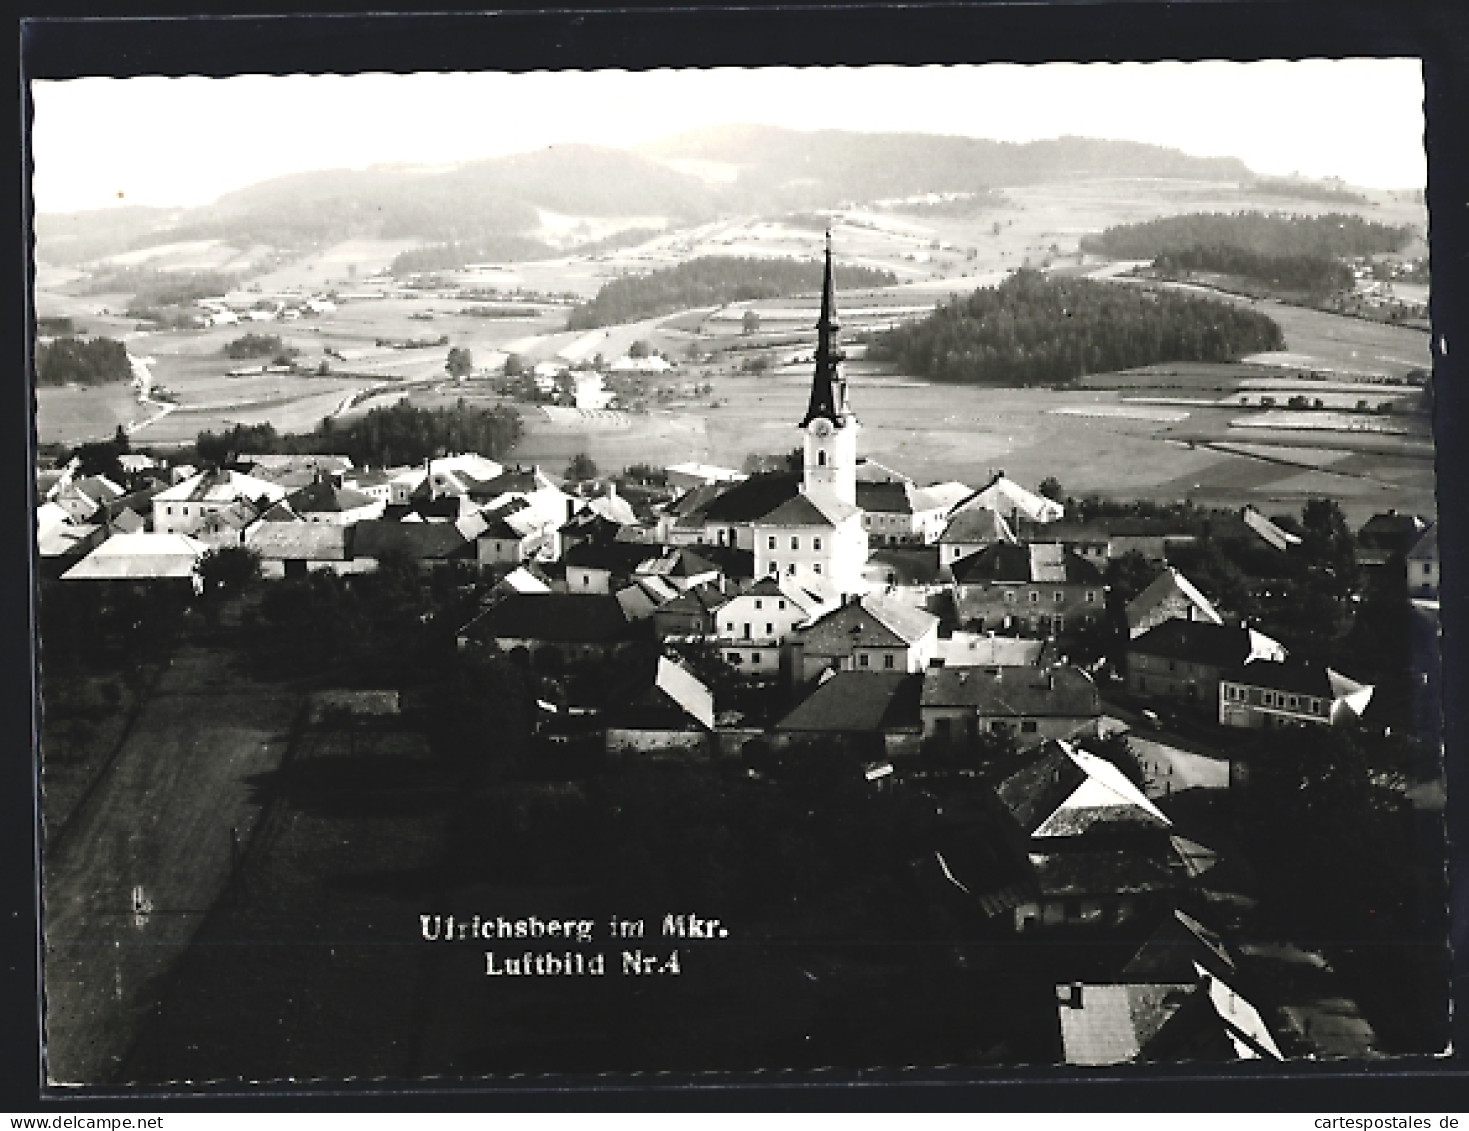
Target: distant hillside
1264	233
776	171
1033	330
789	168
712	280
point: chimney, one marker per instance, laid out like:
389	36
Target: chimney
1074	995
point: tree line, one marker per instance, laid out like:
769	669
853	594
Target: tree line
1315	275
85	361
1265	233
712	280
1036	330
397	434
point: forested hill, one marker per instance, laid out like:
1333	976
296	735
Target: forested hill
1033	330
1316	276
1265	233
712	280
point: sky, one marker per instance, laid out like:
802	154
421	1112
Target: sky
1357	119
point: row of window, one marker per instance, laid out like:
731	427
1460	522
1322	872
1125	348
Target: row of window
1278	699
944	727
791	568
795	542
1057	597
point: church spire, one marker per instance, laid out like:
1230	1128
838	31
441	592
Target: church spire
828	386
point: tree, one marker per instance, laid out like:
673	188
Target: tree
1051	488
514	365
581	468
639	348
226	569
460	362
750	323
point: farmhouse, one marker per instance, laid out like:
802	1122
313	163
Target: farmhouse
868	633
665	711
576	625
292	549
1032	704
1266	696
168	558
874	712
182	507
1040	588
1422	561
1183	659
326	501
1170	596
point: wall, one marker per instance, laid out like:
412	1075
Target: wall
659	742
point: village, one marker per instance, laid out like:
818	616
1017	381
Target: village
1078	690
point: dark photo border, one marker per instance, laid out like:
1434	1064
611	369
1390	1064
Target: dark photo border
71	39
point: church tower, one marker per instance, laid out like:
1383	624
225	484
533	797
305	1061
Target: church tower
830	463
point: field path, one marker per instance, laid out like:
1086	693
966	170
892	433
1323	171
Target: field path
149	852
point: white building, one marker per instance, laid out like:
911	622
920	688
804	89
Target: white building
182	507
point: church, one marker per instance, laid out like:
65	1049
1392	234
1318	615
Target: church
818	536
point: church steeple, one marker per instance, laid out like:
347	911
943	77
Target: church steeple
828	386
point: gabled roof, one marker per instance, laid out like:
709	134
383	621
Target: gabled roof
1040	563
1171	952
557	618
977	524
871	622
909	565
1013	692
1303	679
325	497
1008	497
885	497
220	486
677	561
1273	534
1113	1024
668	685
139	557
523	580
754	498
615	557
1426	548
301	541
63	538
422	541
1391	526
870	471
1063	791
806	511
705	598
1200	642
98	488
1166	585
970	649
858	702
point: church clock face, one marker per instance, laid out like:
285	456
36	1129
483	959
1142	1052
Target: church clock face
821	428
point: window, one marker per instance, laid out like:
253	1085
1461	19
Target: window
816	567
820	459
1058	596
862	660
755	658
1034	597
795	542
816	544
585	580
1315	706
732	657
791	569
757	602
1028	726
1010	595
888	661
769	629
729	627
1294	703
780	604
169	509
747	630
771	545
1091	596
774	567
1427	568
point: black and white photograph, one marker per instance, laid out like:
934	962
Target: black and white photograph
586	573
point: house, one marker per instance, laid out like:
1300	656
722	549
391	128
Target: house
1388	534
156	557
895	512
809	538
83	498
644	596
874	712
431	545
1008	499
61	545
1268	696
1182	659
601	567
1422	561
575	625
272	465
1040	588
50	514
293	549
867	633
375	484
1032	704
665	711
513	533
227	527
522	579
971	530
1100	854
1271	533
326	501
693	614
1202	1020
753	625
721	514
1170	596
682	568
911	568
184	506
